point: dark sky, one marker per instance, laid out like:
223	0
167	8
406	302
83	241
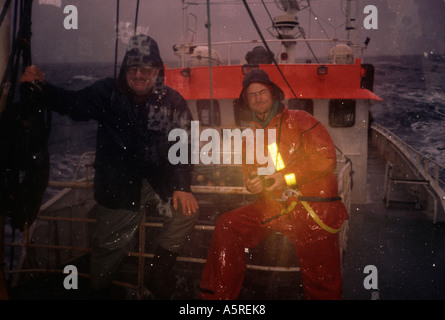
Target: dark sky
404	26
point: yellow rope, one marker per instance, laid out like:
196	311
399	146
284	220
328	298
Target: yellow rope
317	219
311	213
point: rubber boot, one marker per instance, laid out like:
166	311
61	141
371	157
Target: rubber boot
161	279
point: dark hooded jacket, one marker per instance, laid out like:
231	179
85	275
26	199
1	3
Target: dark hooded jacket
260	76
132	135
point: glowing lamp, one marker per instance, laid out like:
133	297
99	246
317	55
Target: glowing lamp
276	156
290	179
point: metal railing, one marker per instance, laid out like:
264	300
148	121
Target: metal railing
186	48
432	170
141	254
426	168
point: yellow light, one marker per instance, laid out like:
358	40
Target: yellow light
276	156
290	179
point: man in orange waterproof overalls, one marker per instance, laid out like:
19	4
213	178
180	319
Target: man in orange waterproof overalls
310	218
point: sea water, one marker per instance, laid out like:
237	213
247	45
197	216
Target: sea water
413	107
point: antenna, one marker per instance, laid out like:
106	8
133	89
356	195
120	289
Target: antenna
285	5
287	27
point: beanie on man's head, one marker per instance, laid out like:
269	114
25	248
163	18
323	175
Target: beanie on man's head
260	76
143	51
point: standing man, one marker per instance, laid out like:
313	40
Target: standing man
135	114
311	216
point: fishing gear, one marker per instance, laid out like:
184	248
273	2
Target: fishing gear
292	197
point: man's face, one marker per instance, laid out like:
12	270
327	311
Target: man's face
141	79
260	99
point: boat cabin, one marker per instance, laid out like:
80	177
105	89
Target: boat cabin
337	94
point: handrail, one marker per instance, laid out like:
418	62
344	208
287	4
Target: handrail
141	253
432	168
429	169
184	47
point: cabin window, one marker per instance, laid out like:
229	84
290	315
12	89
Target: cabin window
301	104
243	115
203	107
341	113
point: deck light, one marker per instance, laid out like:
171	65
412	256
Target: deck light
186	73
284	56
322	70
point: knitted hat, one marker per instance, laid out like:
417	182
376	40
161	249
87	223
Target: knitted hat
260	76
143	51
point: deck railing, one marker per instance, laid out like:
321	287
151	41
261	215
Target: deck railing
79	221
432	170
229	45
426	168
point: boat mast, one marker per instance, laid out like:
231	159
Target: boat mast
184	15
351	24
287	27
209	35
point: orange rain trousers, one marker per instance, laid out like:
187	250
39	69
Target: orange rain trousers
317	251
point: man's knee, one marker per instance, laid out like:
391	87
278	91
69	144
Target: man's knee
176	230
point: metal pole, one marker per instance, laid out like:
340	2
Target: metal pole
183	33
210	64
116	40
136	18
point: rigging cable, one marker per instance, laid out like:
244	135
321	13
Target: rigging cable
267	47
136	18
116	45
318	19
209	39
21	45
4	11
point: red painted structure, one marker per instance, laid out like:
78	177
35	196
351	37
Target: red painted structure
342	81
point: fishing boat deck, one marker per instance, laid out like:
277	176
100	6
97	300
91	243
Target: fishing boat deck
405	247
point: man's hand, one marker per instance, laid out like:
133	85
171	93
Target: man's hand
254	185
278	182
187	200
33	75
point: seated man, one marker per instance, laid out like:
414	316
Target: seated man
311	220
